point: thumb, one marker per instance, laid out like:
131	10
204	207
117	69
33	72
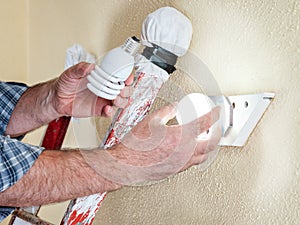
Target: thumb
80	70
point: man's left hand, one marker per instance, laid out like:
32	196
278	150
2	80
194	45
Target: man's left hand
73	98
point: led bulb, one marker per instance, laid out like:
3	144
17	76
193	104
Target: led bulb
193	106
107	79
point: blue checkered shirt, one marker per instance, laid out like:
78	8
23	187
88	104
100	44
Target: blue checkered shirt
16	158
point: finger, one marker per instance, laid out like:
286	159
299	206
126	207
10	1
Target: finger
197	159
80	70
126	91
166	113
214	140
206	146
120	102
201	147
107	111
102	107
204	122
130	79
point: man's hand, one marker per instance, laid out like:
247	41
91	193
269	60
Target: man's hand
154	150
72	97
63	96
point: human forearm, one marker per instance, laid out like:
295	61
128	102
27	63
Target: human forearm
66	95
34	109
145	156
57	176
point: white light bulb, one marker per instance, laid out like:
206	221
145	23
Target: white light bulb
107	80
193	106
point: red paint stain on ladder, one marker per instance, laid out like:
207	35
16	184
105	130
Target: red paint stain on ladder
78	218
87	216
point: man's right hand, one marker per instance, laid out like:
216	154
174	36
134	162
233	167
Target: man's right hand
154	150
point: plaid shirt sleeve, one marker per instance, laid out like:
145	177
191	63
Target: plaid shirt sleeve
16	158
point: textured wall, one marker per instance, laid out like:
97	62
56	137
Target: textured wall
250	46
13	40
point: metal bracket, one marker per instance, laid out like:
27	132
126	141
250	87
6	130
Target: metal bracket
242	113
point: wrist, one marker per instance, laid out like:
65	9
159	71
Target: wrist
34	109
102	169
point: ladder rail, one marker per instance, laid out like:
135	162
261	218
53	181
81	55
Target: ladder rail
146	88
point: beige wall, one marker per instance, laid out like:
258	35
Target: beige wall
251	47
13	40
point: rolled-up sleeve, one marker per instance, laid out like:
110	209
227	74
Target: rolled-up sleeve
16	157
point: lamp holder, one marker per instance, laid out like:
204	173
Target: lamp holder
242	114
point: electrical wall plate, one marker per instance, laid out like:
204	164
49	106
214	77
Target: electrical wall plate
242	113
